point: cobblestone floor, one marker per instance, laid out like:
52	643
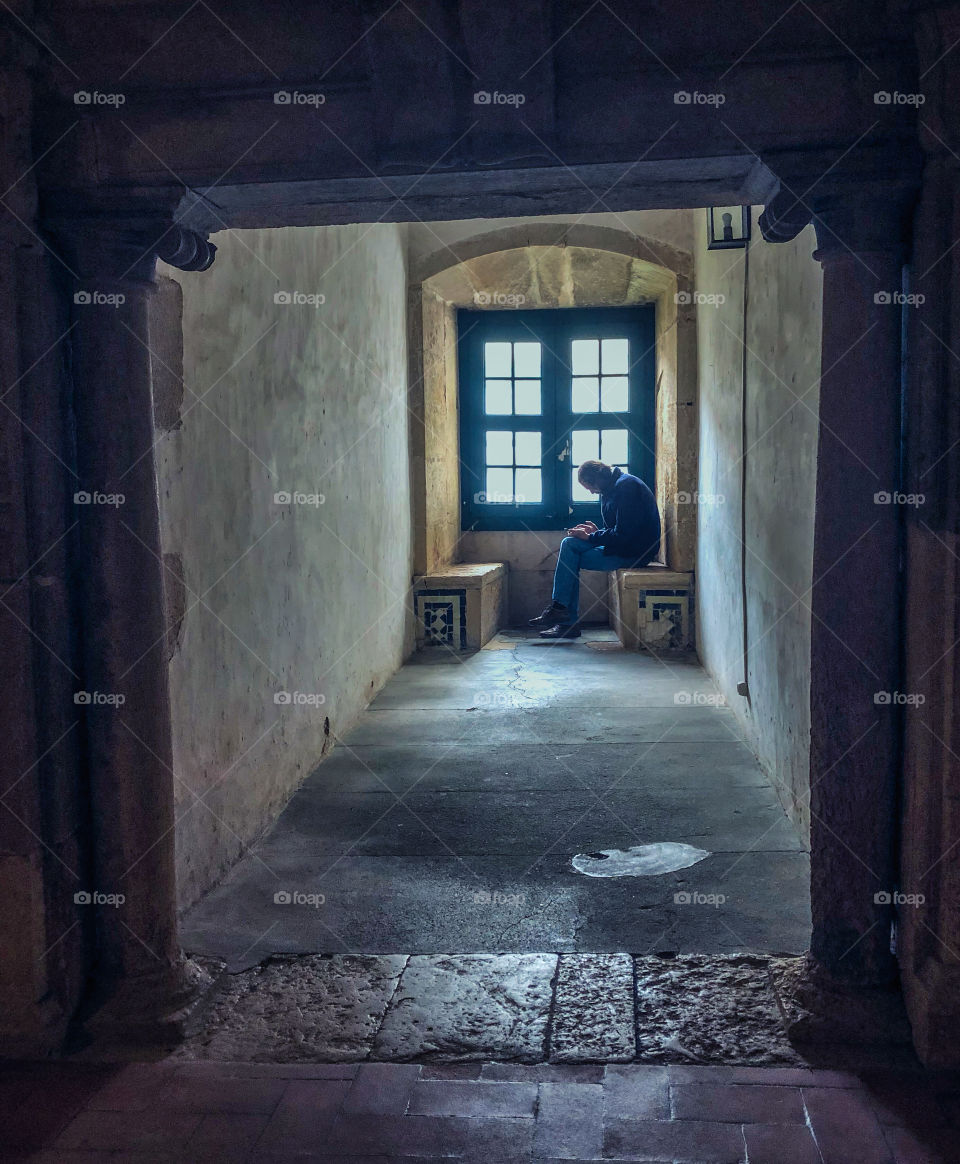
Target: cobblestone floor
497	1113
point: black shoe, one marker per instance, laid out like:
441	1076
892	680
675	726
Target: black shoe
554	613
562	631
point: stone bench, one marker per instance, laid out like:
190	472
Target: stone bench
652	609
462	606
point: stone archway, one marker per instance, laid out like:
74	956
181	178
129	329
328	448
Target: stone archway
546	265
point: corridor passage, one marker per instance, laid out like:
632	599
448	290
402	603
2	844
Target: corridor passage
448	818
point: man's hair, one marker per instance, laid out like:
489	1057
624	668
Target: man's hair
595	474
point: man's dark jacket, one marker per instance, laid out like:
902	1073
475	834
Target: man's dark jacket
631	522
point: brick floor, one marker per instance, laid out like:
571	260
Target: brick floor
491	1113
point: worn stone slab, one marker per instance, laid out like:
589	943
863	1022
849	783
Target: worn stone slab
291	1009
470	1006
709	1009
819	1009
593	1010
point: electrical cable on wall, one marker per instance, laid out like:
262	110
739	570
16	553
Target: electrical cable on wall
743	687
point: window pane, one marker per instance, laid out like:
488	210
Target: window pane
613	445
586	394
584	446
496	360
500	448
499	486
528	448
529	488
615	394
577	491
526	360
497	398
585	357
615	352
527	395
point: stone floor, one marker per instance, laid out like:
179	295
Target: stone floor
446	820
527	1008
490	1113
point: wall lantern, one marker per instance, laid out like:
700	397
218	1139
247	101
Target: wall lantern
727	226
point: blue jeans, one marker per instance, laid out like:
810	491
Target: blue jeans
576	555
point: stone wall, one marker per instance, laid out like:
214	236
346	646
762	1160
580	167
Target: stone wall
267	595
782	390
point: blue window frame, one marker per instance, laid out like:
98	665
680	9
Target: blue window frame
541	392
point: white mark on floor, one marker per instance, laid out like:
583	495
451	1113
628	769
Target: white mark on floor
639	861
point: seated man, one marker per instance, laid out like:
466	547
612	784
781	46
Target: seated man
630	537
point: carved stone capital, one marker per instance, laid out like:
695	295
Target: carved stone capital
186	249
859	224
104	251
783	217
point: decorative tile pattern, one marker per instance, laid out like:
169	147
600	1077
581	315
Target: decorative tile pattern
664	619
442	618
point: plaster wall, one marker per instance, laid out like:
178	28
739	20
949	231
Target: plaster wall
782	338
267	597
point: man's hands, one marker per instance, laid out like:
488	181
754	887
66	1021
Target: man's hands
583	530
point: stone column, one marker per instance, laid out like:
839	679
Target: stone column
855	603
929	929
140	972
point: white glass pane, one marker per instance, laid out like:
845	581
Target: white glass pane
528	448
577	491
529	488
497	398
496	360
586	394
584	446
585	357
499	486
499	448
526	360
527	396
613	446
615	394
614	356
